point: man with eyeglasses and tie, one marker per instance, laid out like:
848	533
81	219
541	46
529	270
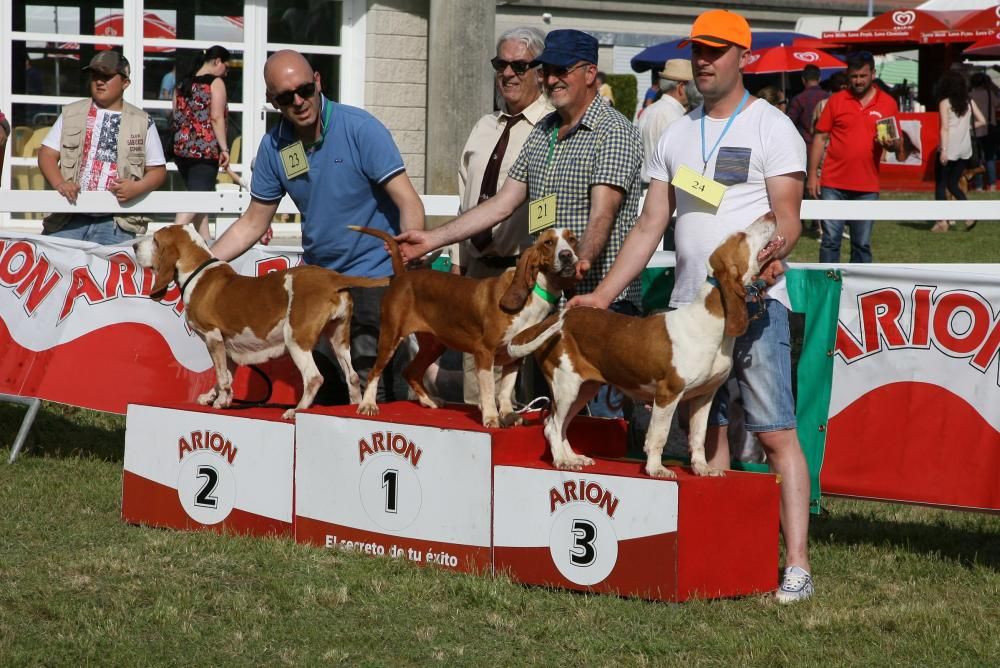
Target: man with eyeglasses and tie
341	167
579	169
490	150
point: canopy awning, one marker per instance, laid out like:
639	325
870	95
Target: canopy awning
919	26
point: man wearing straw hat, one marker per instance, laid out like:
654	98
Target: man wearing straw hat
673	104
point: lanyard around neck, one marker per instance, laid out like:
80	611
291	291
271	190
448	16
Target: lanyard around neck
706	157
325	124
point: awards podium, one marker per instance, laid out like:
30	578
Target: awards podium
435	487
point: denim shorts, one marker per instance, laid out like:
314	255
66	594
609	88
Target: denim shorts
762	365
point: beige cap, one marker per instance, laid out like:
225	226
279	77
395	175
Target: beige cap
109	62
677	69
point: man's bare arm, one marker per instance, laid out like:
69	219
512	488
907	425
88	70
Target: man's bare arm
245	232
406	199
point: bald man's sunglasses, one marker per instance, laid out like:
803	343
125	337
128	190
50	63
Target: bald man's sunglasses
305	91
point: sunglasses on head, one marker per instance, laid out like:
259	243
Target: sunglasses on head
305	91
519	66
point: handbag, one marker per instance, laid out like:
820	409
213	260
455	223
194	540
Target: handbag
975	161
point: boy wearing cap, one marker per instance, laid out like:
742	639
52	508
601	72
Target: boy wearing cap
755	152
674	78
102	143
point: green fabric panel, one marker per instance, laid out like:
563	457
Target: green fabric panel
657	284
816	293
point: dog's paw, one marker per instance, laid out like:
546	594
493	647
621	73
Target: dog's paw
660	471
706	470
491	421
223	401
289	414
208	397
573	463
367	409
426	401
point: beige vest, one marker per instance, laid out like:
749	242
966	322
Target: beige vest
131	156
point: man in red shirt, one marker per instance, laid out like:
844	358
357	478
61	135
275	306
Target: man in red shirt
850	168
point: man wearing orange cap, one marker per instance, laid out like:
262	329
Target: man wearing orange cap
757	160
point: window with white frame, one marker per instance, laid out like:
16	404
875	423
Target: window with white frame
50	41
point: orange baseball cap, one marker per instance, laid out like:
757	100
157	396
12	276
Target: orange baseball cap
719	27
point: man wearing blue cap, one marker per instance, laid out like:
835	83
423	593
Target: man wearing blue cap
579	169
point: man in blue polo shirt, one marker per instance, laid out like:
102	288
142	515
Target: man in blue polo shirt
341	167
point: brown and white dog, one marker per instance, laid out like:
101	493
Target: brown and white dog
253	319
476	316
683	354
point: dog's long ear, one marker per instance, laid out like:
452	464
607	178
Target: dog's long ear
723	263
734	299
166	268
517	292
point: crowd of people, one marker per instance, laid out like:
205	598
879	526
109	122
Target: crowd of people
556	152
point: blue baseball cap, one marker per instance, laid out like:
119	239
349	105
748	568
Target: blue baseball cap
564	48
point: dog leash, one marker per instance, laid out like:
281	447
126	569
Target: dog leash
538	403
755	292
210	261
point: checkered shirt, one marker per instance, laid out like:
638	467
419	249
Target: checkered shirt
604	148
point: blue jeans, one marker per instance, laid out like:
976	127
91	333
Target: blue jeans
762	365
96	229
833	230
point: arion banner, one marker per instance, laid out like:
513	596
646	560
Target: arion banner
77	327
915	404
898	386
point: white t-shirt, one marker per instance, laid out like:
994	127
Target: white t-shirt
99	160
762	142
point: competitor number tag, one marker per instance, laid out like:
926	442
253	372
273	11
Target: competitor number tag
293	158
702	187
542	213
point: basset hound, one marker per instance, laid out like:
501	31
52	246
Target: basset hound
250	320
476	316
664	358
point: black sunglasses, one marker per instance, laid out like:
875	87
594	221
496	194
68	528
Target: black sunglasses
519	66
560	72
305	91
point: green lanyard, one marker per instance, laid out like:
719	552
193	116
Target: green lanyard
327	114
553	137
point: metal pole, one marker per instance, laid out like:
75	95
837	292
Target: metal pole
33	405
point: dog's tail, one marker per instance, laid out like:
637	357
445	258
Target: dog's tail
533	338
348	282
398	266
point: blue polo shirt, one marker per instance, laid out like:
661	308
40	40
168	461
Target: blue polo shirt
342	187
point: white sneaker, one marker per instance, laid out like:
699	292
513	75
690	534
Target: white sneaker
796	585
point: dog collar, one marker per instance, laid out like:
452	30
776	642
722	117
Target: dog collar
197	271
545	294
712	281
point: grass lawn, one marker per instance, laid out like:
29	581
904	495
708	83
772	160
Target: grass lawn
912	241
897	584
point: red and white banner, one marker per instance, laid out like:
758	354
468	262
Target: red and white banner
915	403
77	327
